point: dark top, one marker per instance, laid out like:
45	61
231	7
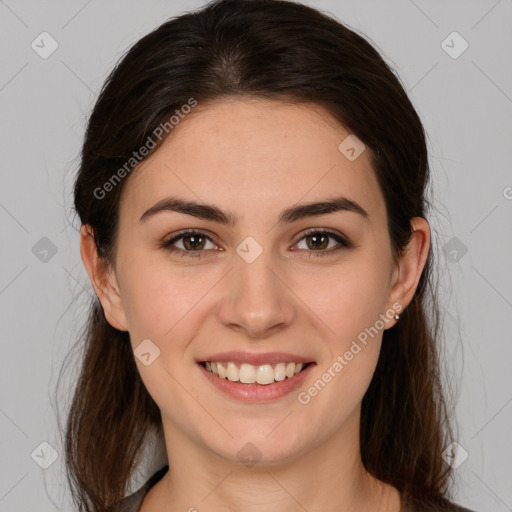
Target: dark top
133	502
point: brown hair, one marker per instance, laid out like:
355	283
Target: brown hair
281	50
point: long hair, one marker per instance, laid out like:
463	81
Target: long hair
270	49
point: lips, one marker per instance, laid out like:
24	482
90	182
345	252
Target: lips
233	374
255	359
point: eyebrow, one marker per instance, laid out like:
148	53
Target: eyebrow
289	215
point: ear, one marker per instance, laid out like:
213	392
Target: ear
408	269
103	280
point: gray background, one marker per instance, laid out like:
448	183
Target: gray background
466	106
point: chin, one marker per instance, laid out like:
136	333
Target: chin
259	449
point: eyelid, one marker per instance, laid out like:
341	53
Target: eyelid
342	240
314	231
170	240
190	231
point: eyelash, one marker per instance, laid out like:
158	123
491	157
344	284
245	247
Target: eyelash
167	244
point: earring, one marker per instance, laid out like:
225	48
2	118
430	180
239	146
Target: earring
397	316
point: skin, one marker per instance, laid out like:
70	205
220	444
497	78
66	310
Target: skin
265	156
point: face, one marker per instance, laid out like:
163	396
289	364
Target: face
313	286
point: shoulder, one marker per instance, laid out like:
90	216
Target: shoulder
133	502
445	505
457	508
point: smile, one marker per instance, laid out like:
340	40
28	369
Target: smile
245	373
258	383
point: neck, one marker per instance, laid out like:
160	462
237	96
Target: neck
328	477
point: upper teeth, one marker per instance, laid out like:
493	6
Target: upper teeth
249	374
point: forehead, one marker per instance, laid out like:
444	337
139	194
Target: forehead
254	156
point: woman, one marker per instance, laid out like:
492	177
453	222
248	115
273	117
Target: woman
252	199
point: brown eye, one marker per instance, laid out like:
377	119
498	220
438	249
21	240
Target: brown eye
191	241
319	242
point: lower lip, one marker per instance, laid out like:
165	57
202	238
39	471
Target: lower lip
257	393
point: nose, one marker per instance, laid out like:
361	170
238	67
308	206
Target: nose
257	301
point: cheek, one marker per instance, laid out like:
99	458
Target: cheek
350	302
145	306
352	311
157	295
348	299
